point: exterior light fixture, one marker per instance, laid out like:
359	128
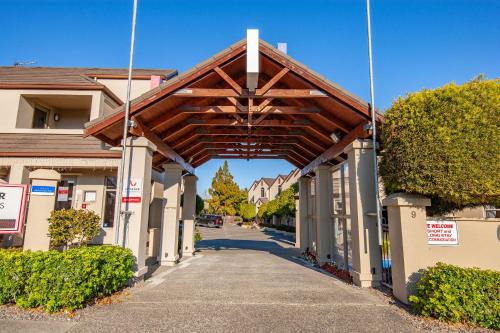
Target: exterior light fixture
335	138
56	116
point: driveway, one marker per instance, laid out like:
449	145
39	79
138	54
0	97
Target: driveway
240	281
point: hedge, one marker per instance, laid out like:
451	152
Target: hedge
455	294
63	280
445	144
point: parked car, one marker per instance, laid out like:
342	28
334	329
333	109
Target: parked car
210	220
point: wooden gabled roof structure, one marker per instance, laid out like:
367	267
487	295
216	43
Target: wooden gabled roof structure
207	113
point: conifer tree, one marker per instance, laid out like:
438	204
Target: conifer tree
225	195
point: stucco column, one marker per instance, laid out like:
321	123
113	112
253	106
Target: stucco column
302	218
366	254
408	239
169	253
311	216
323	198
18	174
188	215
41	204
134	223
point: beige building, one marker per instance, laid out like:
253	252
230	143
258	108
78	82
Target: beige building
44	110
267	189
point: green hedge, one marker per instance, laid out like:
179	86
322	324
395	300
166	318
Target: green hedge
444	143
455	294
63	280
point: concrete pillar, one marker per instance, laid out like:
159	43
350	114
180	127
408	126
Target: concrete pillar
188	215
366	254
323	198
18	174
40	206
408	237
169	254
311	220
302	216
134	224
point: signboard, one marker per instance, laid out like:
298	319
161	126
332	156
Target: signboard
12	208
62	193
132	192
43	190
442	233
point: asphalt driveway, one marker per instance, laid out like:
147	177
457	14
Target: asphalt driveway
240	281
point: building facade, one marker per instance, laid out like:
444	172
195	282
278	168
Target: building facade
44	110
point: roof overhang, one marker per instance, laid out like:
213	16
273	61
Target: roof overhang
205	113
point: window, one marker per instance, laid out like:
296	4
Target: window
65	193
279	189
109	201
90	196
262	193
40	118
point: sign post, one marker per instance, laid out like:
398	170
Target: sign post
12	208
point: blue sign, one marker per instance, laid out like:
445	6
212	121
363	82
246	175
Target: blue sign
43	190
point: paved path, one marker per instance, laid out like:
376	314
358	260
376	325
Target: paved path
241	281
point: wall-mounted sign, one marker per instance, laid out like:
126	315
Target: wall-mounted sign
442	233
43	190
132	192
90	196
62	193
12	208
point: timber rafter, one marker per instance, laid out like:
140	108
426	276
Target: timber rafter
208	113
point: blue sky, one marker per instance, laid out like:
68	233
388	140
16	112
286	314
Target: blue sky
417	44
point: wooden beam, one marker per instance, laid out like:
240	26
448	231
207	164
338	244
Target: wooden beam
336	149
272	93
237	88
162	147
272	82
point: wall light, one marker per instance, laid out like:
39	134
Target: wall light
335	138
56	116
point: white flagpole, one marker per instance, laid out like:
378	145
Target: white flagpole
373	125
126	125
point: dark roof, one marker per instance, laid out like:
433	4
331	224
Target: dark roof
268	181
19	75
53	145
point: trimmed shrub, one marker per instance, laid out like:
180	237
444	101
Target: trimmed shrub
445	144
455	294
63	280
287	228
248	211
69	227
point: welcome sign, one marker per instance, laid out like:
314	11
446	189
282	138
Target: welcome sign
442	233
12	208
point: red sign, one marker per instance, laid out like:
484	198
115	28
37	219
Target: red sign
84	205
131	199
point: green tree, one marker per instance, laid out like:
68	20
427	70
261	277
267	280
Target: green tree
247	211
200	204
225	195
445	144
283	205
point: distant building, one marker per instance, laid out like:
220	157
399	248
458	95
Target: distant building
267	189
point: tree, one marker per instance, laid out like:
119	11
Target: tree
445	144
248	211
283	205
73	227
225	194
200	204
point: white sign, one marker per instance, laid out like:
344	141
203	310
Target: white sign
132	192
12	208
442	233
62	193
